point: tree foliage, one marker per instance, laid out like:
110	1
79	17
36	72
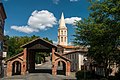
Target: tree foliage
13	43
101	31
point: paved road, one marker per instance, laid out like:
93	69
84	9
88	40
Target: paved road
43	73
39	76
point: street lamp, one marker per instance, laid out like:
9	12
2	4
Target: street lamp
84	62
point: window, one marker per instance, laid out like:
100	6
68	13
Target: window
73	56
61	32
65	32
65	39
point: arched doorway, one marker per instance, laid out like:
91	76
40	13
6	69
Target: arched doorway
61	68
64	64
16	68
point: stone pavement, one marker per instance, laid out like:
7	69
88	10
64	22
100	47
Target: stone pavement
39	76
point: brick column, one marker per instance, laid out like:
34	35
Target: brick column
54	70
53	54
68	68
53	62
9	69
23	68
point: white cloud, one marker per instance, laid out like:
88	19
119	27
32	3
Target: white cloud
25	29
72	20
42	19
39	20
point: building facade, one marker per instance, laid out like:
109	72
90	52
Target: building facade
76	60
2	22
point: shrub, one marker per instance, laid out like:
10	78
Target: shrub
117	75
88	75
83	74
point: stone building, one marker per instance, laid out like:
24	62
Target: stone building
2	22
76	57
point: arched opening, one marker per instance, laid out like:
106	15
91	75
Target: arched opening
16	68
61	39
65	39
61	68
61	32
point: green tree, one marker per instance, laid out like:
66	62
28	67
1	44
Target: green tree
46	38
101	31
13	44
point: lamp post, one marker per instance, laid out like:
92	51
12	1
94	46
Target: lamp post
84	61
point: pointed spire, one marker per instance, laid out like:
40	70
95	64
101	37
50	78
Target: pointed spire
62	22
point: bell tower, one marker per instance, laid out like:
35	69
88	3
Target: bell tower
62	32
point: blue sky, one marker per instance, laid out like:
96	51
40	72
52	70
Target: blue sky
41	17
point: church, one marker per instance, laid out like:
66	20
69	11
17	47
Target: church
74	53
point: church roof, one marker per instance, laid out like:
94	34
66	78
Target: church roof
68	47
62	22
83	51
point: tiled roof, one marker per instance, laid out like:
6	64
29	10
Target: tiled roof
13	57
74	51
69	47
